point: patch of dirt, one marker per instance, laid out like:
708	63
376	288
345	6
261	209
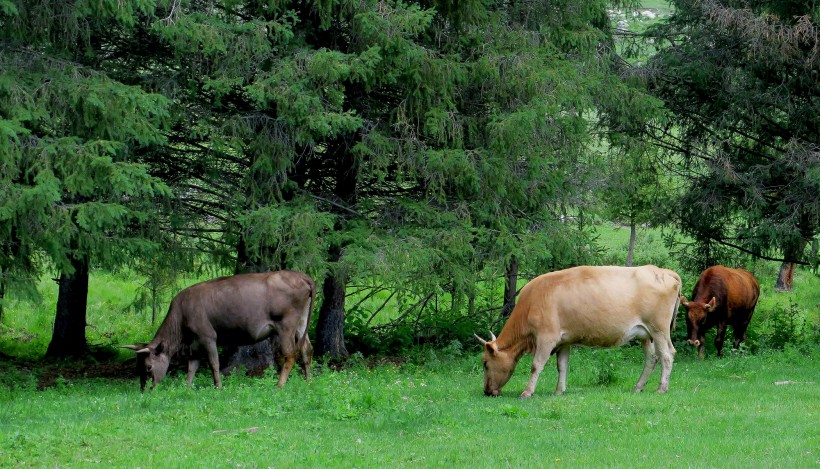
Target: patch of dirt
47	373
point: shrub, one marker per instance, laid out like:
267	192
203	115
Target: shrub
788	325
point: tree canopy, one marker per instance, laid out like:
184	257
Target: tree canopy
739	80
408	149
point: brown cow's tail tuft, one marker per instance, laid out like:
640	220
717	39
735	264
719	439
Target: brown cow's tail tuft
312	286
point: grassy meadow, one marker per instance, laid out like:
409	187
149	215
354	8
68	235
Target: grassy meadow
757	407
741	411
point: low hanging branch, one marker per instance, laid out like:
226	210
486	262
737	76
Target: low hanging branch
379	309
422	302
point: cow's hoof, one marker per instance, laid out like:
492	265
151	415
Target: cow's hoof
662	390
638	390
525	395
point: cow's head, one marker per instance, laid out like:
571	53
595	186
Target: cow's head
696	317
152	361
498	366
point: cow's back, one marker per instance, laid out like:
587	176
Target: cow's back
245	304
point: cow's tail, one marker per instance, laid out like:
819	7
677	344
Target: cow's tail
677	305
312	286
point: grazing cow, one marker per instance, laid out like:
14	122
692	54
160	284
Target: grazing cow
233	311
595	306
722	296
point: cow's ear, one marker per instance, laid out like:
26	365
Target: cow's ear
491	347
159	348
710	306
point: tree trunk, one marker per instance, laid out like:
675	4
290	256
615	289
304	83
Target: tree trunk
331	323
254	358
68	338
245	263
510	287
154	302
330	329
632	235
785	280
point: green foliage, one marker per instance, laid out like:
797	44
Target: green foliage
788	325
739	82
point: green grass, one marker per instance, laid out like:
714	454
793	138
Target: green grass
430	412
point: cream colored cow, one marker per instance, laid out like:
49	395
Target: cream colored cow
595	306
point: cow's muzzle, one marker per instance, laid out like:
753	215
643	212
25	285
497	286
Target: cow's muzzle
694	342
492	393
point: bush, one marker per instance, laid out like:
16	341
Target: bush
788	325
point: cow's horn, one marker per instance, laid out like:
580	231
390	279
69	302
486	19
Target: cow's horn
493	336
483	342
683	301
130	347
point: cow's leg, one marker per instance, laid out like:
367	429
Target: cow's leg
562	359
739	332
543	349
720	337
649	361
288	350
193	365
213	360
665	351
289	362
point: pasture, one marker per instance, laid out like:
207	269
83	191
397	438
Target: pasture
428	410
757	407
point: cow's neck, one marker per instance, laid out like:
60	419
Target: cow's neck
516	344
169	334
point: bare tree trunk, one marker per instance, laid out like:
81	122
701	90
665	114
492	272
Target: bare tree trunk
154	302
510	287
330	329
785	280
632	235
68	338
330	326
254	358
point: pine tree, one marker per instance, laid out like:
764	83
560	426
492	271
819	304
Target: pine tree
73	138
740	81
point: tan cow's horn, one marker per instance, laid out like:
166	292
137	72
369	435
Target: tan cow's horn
131	347
683	301
483	342
493	336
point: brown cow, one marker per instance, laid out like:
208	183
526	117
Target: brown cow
722	296
596	306
233	311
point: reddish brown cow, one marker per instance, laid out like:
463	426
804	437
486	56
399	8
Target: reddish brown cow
722	296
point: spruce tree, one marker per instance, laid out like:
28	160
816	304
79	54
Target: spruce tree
739	79
73	138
